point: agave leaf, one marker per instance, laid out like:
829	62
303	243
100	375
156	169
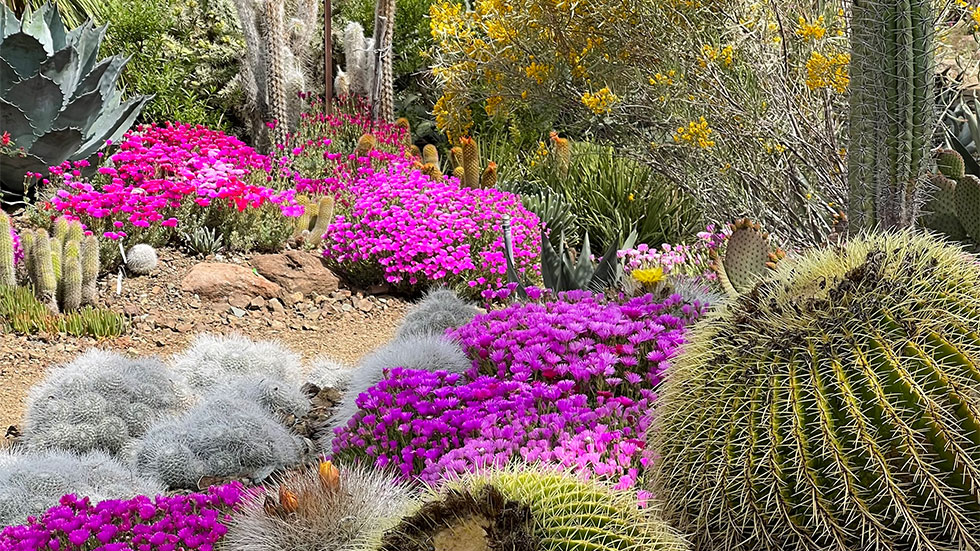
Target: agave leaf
107	84
40	97
56	146
111	126
88	45
62	68
7	77
81	112
23	52
56	27
35	25
550	262
14	120
8	22
12	171
106	70
610	268
583	270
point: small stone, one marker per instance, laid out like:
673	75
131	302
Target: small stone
277	325
131	310
237	312
257	303
365	305
239	301
346	307
293	298
276	306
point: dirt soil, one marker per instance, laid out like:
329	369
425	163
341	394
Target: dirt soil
164	319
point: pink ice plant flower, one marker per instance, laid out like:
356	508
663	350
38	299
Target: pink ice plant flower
163	523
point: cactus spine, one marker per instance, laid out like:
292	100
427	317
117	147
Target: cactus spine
365	144
42	271
489	178
891	111
384	38
834	408
275	42
324	216
71	282
471	161
430	155
8	274
460	174
90	269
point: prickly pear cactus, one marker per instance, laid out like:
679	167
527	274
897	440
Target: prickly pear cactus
950	164
746	255
836	407
939	212
966	196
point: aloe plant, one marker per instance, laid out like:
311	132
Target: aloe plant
58	101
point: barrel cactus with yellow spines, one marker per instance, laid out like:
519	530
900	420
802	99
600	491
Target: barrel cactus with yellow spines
835	407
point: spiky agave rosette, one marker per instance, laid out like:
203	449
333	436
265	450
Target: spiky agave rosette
834	407
567	513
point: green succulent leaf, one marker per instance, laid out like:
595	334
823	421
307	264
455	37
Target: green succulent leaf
36	26
56	146
8	22
583	269
23	53
41	97
62	68
15	121
111	126
81	112
550	261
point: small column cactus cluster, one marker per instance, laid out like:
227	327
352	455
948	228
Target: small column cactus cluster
464	162
312	226
61	268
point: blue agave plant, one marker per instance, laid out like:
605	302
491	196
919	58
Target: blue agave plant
58	102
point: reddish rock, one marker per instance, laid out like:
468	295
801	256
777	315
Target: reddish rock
297	272
215	280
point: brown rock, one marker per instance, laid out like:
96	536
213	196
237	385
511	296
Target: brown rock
215	280
297	272
276	306
257	303
238	301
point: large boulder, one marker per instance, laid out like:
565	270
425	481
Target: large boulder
216	280
297	272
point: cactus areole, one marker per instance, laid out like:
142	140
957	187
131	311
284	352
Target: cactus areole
891	111
834	407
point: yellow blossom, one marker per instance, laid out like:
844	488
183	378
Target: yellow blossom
815	30
830	71
648	276
599	102
696	133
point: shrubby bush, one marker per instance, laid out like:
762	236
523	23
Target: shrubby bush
32	482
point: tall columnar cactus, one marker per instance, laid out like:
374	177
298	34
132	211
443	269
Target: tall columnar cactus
384	41
71	279
58	101
471	161
8	275
563	154
834	408
276	69
42	271
90	269
359	52
891	111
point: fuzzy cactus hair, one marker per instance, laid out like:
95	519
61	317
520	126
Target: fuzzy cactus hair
32	482
215	359
100	400
329	373
141	259
440	310
221	436
322	508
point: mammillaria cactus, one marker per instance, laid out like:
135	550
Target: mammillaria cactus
329	373
221	436
277	397
835	407
100	400
566	512
31	482
321	508
440	310
216	359
58	102
141	259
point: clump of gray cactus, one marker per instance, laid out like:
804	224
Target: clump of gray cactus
329	373
32	482
141	259
100	401
212	360
440	310
221	436
278	397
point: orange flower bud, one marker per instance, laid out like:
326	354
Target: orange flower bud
329	475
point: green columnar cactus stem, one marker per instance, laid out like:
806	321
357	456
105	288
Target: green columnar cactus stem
90	269
891	111
836	407
8	274
57	248
27	243
42	270
275	46
323	218
71	281
471	162
75	232
59	230
430	155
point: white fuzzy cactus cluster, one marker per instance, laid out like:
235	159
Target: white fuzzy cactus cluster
141	259
32	482
216	359
221	436
100	401
440	310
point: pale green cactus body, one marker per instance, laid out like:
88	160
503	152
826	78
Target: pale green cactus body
967	202
7	270
90	269
71	280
